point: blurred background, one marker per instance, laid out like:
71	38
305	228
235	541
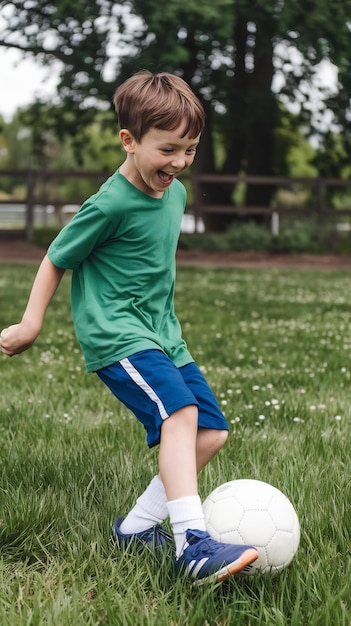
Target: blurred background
275	81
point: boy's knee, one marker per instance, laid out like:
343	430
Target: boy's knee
210	438
221	437
189	411
186	416
224	435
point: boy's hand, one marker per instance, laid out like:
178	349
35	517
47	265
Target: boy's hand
17	338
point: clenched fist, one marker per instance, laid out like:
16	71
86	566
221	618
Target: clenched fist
17	338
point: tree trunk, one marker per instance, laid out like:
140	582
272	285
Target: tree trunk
210	193
260	136
234	134
251	119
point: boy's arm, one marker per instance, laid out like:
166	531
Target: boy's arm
19	337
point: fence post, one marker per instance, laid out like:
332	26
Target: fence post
320	195
275	224
196	200
30	205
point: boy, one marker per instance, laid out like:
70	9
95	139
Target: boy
121	246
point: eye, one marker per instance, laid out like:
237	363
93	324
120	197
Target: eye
167	150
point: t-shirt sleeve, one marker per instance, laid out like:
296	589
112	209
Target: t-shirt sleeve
87	230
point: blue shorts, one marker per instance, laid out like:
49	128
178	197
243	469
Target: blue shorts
153	388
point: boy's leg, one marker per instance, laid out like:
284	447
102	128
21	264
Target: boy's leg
210	436
178	471
149	509
177	453
151	506
208	443
187	383
152	387
197	554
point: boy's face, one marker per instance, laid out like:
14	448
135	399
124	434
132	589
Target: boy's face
157	159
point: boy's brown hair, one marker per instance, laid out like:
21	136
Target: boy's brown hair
163	101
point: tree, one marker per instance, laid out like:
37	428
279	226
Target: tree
25	144
229	51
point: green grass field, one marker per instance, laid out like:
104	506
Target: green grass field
276	346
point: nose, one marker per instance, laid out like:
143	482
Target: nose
179	161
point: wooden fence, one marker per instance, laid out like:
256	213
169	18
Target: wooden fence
39	186
42	189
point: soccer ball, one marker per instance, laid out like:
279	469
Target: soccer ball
255	513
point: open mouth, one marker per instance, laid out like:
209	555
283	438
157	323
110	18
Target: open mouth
165	177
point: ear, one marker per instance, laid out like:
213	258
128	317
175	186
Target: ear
127	140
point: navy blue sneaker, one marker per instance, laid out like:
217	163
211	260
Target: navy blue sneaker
205	559
154	537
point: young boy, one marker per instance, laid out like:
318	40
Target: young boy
121	246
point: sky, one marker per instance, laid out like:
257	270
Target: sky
22	80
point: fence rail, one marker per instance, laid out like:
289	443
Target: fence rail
41	192
319	185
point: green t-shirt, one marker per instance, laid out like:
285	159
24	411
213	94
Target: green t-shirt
121	246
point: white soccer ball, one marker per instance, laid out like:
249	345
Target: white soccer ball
255	513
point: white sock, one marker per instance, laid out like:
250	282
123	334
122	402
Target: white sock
185	513
150	509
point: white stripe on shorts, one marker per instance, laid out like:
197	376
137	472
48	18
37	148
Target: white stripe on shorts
139	380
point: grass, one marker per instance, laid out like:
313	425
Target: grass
275	346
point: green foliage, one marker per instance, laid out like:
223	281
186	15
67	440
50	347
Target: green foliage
275	347
15	139
43	236
249	236
32	139
299	238
228	51
295	236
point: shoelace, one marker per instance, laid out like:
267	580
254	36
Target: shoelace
160	532
205	543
